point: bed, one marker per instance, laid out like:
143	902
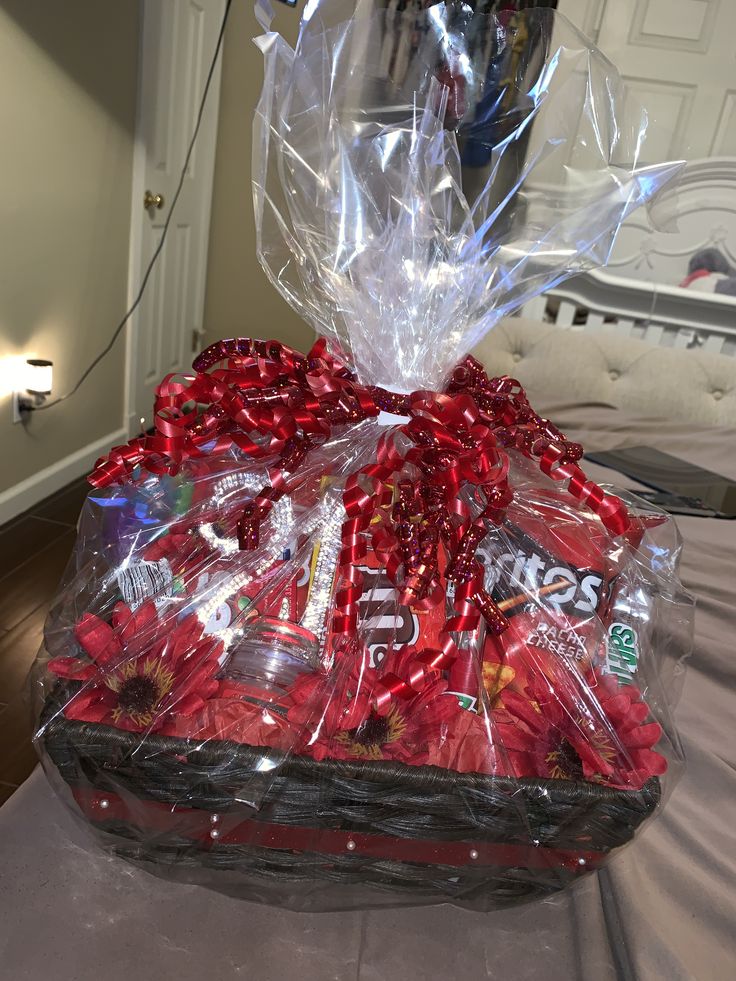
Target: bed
603	365
638	294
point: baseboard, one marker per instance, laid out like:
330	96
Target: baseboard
30	491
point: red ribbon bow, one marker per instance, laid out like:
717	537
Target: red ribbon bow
270	401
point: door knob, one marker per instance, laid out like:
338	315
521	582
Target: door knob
151	200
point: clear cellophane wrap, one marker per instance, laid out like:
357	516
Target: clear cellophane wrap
331	581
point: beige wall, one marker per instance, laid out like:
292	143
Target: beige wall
240	301
68	79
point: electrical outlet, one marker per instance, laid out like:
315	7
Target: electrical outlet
22	407
17	414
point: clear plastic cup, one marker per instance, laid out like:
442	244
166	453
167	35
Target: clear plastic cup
272	653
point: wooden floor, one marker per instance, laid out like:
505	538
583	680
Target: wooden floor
34	549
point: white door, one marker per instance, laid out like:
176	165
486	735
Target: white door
178	42
677	57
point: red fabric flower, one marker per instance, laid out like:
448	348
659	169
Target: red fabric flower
175	546
142	669
553	731
241	714
472	746
342	721
624	708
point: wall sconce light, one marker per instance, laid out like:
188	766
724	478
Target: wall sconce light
39	381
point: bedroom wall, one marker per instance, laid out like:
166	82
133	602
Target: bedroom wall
239	299
68	81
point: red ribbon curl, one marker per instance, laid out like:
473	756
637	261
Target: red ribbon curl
276	404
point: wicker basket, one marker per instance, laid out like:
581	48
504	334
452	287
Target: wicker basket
422	832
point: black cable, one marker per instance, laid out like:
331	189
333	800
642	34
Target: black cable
134	306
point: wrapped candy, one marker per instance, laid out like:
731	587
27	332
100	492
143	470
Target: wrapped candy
353	626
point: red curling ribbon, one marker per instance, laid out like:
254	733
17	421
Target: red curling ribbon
270	401
495	620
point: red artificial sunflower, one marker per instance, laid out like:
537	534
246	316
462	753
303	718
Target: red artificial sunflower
472	747
344	722
174	546
627	713
549	732
142	669
241	714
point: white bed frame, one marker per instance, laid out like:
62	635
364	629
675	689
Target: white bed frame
637	294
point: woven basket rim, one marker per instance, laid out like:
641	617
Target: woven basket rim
213	752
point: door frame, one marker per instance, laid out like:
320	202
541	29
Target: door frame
149	48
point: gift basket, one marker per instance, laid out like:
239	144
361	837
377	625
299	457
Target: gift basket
353	627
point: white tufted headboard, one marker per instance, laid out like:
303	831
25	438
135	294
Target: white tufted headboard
689	386
638	294
702	203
